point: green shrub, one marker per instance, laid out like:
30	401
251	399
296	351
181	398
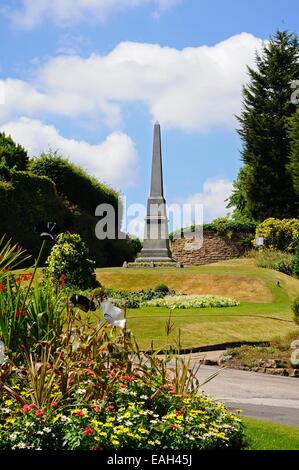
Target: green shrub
275	259
134	299
12	155
278	234
295	308
136	244
161	288
296	259
68	263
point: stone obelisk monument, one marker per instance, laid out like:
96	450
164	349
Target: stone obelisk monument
156	239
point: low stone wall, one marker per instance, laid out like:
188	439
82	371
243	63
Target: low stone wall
215	248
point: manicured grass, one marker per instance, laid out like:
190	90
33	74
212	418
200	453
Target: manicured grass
264	312
263	435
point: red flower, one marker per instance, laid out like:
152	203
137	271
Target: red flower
54	404
110	407
39	413
2	287
21	313
179	412
173	426
97	408
88	431
79	413
63	277
127	378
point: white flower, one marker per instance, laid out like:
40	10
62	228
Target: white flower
113	315
65	419
21	445
47	430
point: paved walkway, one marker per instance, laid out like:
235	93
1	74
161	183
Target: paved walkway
261	396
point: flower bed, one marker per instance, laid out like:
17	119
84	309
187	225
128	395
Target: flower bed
128	418
192	301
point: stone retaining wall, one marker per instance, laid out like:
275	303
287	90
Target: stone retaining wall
215	248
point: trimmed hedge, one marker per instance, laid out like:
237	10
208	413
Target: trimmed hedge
73	183
27	199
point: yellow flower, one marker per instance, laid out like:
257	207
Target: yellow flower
142	431
95	422
8	402
57	417
10	420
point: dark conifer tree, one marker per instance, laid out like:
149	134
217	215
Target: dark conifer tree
266	186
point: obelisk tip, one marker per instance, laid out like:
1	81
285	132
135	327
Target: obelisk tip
157	123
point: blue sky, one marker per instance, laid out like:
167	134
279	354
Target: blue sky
90	77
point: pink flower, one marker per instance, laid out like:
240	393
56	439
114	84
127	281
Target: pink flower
110	407
39	413
97	408
173	426
27	408
54	404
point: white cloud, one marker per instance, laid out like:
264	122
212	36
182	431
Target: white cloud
114	160
194	89
215	192
64	12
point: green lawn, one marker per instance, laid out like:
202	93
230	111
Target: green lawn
262	435
264	312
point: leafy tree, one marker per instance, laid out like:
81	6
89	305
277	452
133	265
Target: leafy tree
12	155
238	199
264	186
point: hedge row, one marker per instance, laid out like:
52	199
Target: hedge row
27	199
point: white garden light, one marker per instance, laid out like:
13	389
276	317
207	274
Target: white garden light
2	355
113	315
